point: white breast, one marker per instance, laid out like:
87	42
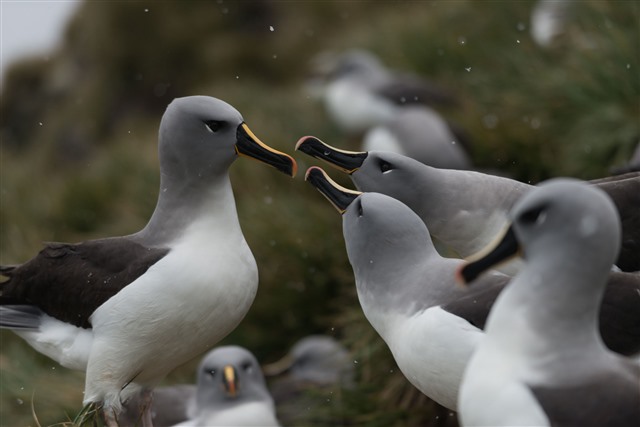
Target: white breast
182	306
249	414
381	139
431	349
354	108
492	394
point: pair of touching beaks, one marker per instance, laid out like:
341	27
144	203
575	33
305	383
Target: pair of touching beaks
501	250
249	145
341	198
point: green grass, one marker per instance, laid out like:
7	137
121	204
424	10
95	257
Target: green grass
90	169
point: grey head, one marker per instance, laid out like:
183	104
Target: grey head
400	177
199	138
463	209
321	359
373	171
196	140
392	255
403	178
359	67
569	217
382	235
547	317
569	234
436	195
458	206
356	64
388	246
316	360
229	376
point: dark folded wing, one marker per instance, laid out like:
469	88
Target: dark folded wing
602	399
625	193
620	313
69	281
476	304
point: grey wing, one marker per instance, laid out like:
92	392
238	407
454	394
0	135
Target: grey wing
409	89
606	399
475	304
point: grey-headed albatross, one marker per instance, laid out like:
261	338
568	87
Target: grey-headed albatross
231	391
465	209
130	309
542	361
407	290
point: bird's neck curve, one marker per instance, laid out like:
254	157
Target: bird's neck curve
179	206
548	311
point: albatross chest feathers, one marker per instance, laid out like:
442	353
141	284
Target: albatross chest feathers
194	296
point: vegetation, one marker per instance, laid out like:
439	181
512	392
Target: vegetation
78	147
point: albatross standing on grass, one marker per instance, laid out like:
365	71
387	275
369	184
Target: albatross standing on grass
542	361
129	309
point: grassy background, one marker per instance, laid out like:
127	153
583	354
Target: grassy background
78	147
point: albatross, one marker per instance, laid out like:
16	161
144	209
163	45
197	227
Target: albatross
130	309
463	209
420	133
360	92
542	361
231	391
407	290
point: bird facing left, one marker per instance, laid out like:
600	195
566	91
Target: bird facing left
163	294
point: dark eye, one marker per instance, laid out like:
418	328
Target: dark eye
360	211
214	125
211	372
247	367
300	362
535	215
385	166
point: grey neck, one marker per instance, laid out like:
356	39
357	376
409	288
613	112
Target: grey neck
565	318
180	205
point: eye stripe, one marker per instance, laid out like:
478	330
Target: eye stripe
535	215
385	166
214	125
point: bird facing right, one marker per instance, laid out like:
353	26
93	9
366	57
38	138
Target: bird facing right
542	361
